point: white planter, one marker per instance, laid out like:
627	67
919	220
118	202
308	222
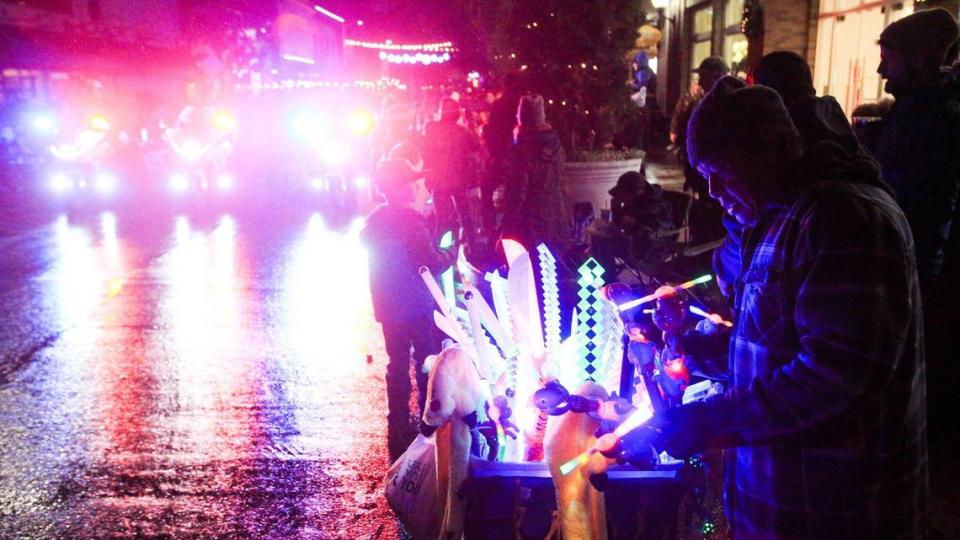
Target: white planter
590	181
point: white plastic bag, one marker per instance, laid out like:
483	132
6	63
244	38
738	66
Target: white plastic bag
411	489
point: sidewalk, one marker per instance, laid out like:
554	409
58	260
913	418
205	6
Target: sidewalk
662	169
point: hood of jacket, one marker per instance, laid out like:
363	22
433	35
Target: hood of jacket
820	118
828	161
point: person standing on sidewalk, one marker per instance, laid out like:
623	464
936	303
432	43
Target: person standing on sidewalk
919	147
706	217
399	243
498	136
535	208
452	157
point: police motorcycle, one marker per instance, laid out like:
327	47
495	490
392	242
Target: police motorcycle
202	142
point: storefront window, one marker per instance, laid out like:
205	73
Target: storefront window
732	13
702	34
735	53
701	50
734	42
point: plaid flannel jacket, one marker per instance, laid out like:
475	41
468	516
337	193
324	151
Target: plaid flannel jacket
826	413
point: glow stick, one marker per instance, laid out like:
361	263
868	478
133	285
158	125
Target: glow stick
498	288
473	300
501	436
446	240
664	291
491	322
448	288
633	421
435	291
451	329
712	317
591	314
473	311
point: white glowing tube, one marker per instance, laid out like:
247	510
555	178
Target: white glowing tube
452	329
498	288
435	291
490	321
712	317
471	298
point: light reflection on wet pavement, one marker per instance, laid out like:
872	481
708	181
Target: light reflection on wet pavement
188	377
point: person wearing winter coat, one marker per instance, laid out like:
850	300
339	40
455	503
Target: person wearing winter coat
817	119
498	137
399	243
535	208
452	157
919	146
824	416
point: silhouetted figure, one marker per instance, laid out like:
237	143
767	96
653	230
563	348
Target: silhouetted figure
535	207
399	243
452	157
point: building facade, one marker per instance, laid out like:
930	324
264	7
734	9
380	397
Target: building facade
837	37
45	43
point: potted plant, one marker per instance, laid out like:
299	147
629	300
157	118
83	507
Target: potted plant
589	175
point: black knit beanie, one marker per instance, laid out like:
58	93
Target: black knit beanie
735	121
925	36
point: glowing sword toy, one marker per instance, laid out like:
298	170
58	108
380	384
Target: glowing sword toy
608	440
712	317
664	291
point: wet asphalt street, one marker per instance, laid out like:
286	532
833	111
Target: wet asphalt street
169	374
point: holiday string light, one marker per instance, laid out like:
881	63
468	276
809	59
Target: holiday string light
289	84
443	46
418	58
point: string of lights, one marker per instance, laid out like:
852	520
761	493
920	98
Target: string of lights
418	58
388	45
289	84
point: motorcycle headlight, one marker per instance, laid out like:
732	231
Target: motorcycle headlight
179	183
224	120
105	183
360	122
60	183
225	182
44	124
99	123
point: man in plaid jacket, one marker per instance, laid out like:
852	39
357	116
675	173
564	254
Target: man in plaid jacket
824	420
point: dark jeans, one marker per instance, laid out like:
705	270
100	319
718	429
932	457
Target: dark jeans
398	338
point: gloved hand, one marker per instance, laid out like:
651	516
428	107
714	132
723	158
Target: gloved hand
680	431
706	350
640	446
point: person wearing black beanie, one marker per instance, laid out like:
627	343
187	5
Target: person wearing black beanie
919	144
918	149
817	118
824	415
